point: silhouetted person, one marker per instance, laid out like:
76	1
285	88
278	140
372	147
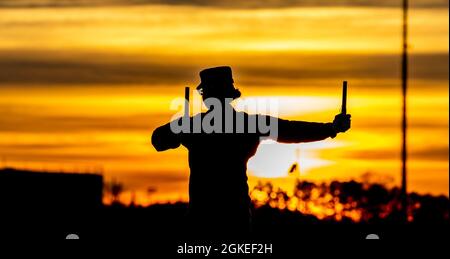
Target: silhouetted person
219	201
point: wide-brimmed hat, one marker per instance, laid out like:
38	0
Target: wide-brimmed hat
215	77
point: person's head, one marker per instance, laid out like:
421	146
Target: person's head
217	82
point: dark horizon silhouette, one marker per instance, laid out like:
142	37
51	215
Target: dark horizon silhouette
58	211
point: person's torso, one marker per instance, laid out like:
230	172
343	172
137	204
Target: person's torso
218	165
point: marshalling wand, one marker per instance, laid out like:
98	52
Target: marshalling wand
186	101
344	98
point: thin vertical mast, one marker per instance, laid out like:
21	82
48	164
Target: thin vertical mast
404	110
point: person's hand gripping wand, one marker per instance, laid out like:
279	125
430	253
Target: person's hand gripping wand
341	122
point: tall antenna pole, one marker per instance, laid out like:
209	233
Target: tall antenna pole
404	199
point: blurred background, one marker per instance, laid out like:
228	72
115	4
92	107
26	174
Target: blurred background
84	83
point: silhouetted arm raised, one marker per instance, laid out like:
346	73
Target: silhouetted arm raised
163	138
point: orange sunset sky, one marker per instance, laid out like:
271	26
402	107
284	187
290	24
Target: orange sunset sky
84	83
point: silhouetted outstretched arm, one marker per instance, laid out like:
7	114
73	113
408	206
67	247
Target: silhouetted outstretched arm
301	131
163	138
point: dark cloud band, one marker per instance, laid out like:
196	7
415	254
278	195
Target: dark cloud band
224	3
50	68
